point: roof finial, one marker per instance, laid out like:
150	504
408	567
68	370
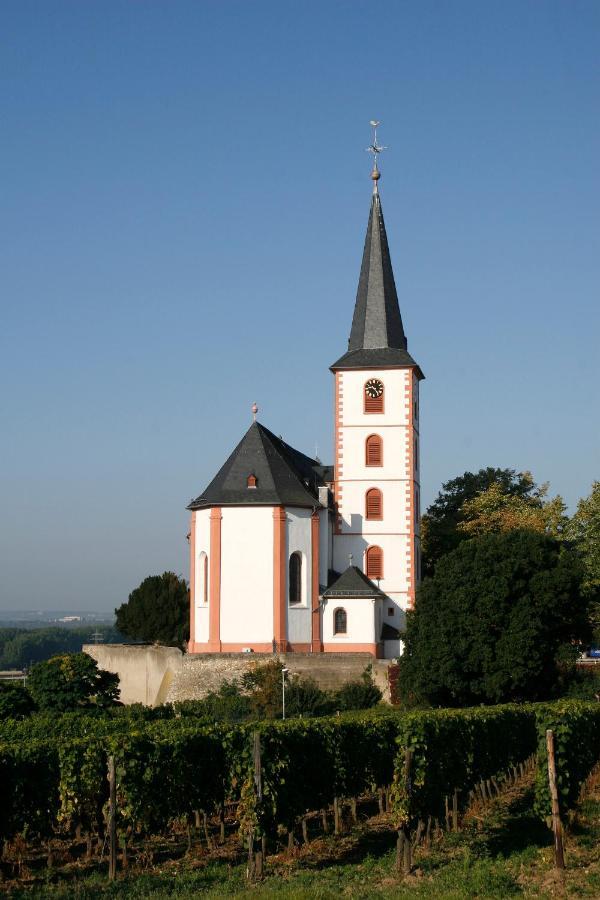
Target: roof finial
254	411
375	149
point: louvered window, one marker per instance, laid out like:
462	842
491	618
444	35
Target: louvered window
374	450
374	505
374	404
374	567
340	622
295	579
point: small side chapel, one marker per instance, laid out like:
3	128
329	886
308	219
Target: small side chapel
289	555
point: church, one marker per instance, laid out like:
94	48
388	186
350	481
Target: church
290	555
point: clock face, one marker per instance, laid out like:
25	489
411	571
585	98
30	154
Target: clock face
373	388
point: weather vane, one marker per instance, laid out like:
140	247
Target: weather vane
375	149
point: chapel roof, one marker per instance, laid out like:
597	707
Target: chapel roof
389	632
284	476
377	337
353	583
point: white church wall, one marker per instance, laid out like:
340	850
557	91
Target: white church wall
325	545
361	617
396	602
394	507
202	545
299	540
394	382
394	449
395	559
247	575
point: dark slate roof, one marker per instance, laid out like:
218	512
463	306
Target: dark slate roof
325	473
389	633
284	476
353	583
377	323
382	358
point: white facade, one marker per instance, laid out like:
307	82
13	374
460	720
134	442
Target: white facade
246	575
397	478
363	623
299	615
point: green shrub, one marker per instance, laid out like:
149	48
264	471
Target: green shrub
15	701
360	694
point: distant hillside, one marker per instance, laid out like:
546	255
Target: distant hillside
20	647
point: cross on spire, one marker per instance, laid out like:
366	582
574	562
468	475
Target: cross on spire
375	149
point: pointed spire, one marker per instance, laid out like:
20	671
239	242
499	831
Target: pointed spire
377	337
377	322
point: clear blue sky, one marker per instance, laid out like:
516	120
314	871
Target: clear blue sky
184	198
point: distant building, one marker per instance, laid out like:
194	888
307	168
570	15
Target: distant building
287	554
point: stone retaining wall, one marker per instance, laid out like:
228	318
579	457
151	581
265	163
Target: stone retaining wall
153	675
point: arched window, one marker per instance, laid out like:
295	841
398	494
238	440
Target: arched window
373	394
373	450
340	621
203	577
374	563
374	504
295	579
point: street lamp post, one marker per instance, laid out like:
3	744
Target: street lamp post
284	672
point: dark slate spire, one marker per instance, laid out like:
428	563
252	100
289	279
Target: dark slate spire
377	322
377	337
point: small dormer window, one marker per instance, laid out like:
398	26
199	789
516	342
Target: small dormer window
251	481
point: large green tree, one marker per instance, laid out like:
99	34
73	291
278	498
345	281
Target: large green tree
71	681
583	530
494	622
157	611
440	525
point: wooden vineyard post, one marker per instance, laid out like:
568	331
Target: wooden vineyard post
222	823
403	845
112	819
336	815
207	838
455	810
559	856
257	867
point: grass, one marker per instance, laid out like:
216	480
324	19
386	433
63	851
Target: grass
502	852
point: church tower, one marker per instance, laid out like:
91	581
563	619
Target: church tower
376	481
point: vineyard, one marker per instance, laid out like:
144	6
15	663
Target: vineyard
272	781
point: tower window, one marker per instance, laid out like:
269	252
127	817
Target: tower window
374	504
295	579
374	450
203	577
374	563
340	622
